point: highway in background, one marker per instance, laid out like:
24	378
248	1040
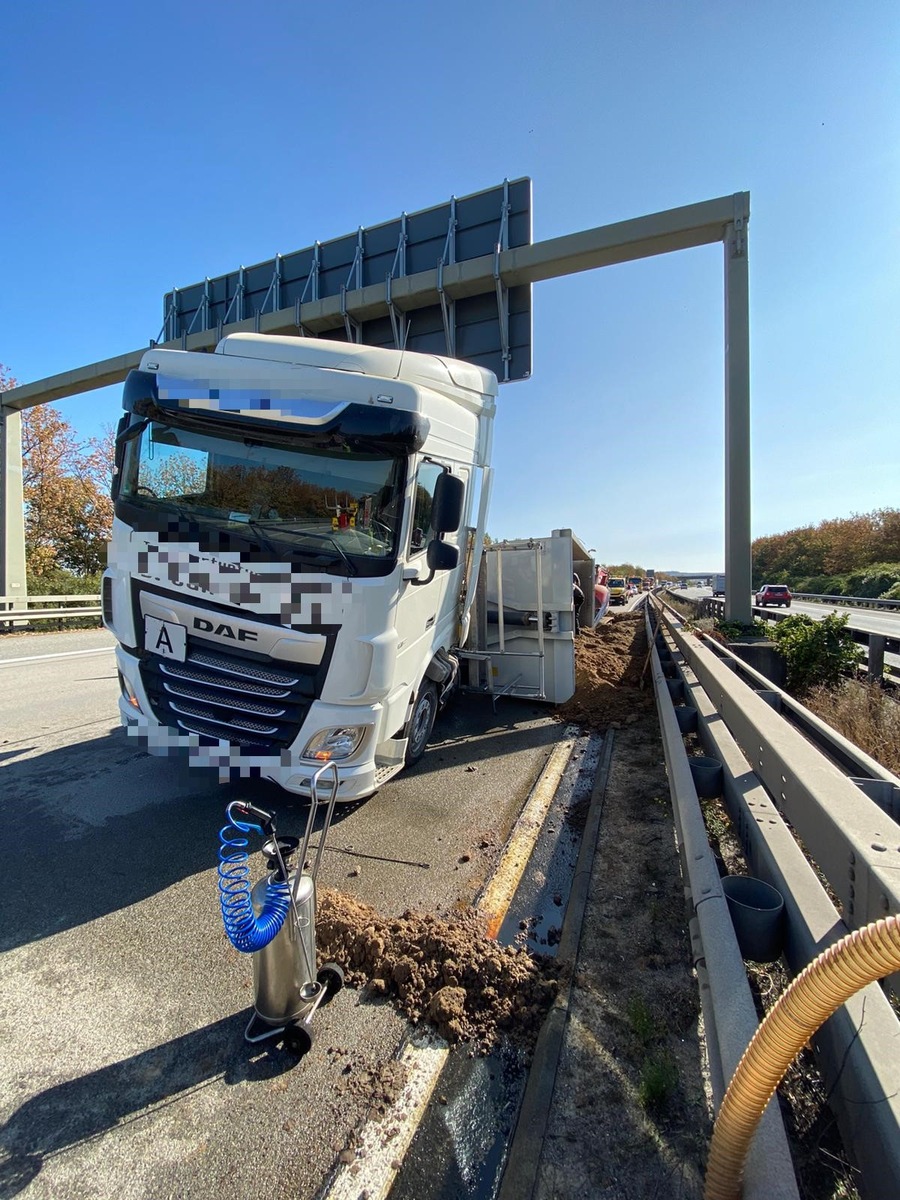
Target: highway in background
871	620
866	620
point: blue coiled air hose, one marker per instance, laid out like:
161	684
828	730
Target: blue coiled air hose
246	930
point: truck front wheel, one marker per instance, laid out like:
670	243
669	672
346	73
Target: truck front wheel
421	721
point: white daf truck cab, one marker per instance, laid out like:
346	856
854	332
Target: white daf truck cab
299	525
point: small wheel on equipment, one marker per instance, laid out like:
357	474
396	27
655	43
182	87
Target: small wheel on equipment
331	977
298	1040
421	722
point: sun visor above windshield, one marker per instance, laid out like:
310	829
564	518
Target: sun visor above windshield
273	403
364	428
313	352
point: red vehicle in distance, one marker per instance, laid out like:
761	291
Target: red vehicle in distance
773	593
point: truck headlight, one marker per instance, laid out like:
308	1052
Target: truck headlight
332	744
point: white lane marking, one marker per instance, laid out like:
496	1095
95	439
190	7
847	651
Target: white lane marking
14	662
378	1158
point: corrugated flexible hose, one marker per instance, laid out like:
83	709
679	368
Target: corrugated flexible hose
840	971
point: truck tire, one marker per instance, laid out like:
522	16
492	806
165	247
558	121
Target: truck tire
421	721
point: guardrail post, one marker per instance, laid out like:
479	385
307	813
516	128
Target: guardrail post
875	665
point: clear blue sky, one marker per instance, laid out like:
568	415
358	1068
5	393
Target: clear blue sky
149	145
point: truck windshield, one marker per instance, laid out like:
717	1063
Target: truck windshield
337	503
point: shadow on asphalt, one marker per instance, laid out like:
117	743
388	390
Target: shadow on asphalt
469	732
93	828
100	825
84	1108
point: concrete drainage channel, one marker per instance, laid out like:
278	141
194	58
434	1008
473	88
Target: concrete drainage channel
458	1146
484	1096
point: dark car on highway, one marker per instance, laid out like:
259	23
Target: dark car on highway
773	593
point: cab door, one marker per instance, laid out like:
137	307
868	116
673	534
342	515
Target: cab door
427	607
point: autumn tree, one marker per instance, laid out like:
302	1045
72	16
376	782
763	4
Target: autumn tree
887	532
861	552
68	512
176	474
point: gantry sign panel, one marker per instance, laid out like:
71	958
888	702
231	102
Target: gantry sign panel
492	329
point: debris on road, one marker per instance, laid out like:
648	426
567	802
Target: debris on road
445	972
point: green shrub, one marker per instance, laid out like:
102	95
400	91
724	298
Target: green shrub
822	585
893	593
816	652
872	580
736	631
60	582
57	581
644	1024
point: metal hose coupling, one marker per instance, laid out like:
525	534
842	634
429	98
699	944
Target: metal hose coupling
840	971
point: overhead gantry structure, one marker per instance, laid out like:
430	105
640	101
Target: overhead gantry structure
724	220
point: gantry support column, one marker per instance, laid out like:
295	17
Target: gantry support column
12	510
738	566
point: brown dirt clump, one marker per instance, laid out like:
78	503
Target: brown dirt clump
445	972
381	1086
609	665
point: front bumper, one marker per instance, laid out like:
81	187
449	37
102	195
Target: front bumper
356	779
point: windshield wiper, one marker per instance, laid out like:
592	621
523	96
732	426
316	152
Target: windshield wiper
143	495
321	537
305	533
265	541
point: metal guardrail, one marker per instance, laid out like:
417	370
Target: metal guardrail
807	829
729	1015
9	613
853	601
878	783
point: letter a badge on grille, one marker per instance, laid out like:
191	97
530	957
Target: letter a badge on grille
165	638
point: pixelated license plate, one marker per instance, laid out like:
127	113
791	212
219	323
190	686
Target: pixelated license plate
165	637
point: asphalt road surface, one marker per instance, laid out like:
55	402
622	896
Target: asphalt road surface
123	1069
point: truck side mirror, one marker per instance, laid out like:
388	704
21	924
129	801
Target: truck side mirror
441	556
447	505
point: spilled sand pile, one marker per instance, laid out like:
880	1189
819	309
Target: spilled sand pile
609	662
444	972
